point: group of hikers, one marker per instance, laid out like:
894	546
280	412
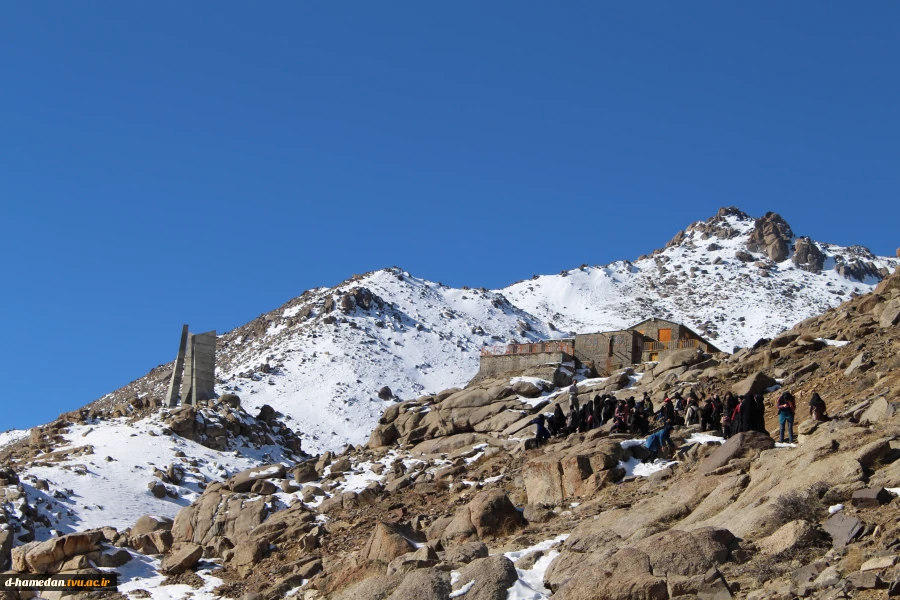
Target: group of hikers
729	415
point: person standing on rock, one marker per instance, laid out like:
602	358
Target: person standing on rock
648	403
759	415
746	413
573	395
597	410
786	409
559	420
706	414
728	410
609	409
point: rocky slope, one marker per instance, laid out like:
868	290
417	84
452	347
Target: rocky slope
324	358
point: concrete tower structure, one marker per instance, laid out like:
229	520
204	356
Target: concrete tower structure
194	375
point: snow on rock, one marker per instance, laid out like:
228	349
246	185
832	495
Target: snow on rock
705	438
13	435
104	480
530	584
635	468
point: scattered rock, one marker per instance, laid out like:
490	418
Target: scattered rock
182	559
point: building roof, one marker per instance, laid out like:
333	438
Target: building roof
708	343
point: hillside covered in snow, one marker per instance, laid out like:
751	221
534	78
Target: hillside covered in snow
323	357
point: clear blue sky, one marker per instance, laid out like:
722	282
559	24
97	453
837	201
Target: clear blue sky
166	163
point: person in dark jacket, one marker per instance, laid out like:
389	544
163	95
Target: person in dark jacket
609	409
620	424
817	408
668	411
706	415
557	423
759	414
542	433
597	410
658	440
729	406
585	421
747	412
640	424
786	409
648	403
572	421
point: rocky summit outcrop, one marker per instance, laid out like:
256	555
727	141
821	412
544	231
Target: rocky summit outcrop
771	236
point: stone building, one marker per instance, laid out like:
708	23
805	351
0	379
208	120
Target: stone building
607	351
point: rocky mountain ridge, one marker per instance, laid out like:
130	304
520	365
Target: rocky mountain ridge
324	358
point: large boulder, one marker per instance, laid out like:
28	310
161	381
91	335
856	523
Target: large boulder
678	358
49	556
386	543
756	383
626	575
807	255
493	514
466	553
218	512
243	481
527	389
791	535
149	523
383	435
423	584
687	553
490	514
576	472
891	314
771	235
743	445
182	559
487	578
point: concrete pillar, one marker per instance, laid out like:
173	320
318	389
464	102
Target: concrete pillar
203	369
175	382
187	390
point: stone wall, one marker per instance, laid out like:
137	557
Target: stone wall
491	366
608	351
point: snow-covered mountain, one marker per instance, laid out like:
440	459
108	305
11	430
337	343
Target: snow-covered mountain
322	358
732	278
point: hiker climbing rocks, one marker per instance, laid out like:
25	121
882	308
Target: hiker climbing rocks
542	433
655	442
786	409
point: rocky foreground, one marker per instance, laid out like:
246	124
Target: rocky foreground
450	498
